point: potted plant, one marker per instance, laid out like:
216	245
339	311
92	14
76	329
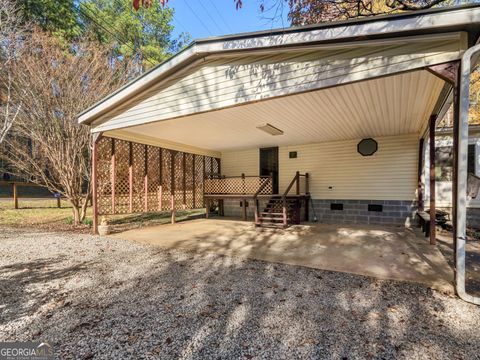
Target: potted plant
103	228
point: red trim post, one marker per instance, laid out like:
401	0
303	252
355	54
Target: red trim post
433	235
130	178
172	186
193	180
160	178
145	179
112	174
419	176
95	139
184	180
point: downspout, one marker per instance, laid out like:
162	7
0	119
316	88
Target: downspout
461	233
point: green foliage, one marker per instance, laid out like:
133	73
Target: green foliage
56	16
144	33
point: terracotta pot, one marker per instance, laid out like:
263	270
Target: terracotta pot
103	230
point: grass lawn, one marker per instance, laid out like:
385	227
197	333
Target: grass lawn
44	214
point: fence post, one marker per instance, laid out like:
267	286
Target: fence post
15	196
58	202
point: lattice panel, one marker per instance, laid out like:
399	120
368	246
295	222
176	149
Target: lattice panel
178	171
198	184
138	155
189	176
153	169
104	189
238	185
122	189
142	177
166	178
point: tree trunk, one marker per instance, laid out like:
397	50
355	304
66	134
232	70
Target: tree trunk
76	214
83	210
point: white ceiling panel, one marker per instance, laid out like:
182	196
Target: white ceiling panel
394	105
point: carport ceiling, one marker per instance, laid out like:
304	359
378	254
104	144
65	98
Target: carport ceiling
394	105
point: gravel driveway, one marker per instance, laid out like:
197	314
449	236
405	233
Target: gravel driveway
97	298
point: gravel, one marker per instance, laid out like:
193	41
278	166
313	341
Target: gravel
107	298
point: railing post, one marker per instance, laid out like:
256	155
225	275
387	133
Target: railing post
284	211
307	184
243	182
297	179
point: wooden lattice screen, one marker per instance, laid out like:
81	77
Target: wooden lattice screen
137	178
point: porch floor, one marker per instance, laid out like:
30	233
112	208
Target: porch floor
378	251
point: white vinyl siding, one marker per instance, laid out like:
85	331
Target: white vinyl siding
389	174
237	162
231	81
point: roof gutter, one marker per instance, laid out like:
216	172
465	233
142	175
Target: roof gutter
461	204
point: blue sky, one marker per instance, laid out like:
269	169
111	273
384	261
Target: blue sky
204	18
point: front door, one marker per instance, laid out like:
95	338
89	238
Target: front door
269	165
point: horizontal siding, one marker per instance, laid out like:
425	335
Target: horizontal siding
389	174
235	163
216	85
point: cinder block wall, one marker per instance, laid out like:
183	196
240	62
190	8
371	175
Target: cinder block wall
232	208
392	212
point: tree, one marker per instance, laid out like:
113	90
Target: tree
58	17
304	12
52	84
11	31
145	33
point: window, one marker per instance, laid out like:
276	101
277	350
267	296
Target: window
444	162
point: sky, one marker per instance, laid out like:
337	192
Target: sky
204	18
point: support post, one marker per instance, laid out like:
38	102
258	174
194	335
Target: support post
193	180
15	196
112	174
160	179
244	209
145	179
172	186
203	181
184	180
130	177
419	176
95	139
433	238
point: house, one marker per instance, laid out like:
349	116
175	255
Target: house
325	122
444	172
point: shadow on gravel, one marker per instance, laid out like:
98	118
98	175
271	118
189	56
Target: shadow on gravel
188	305
26	287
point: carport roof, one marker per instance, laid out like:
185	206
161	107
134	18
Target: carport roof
433	21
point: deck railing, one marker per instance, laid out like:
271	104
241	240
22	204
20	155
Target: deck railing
238	185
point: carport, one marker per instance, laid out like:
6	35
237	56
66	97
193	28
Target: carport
271	124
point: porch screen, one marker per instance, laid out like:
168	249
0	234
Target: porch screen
136	178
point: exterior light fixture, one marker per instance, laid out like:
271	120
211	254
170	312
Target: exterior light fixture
270	129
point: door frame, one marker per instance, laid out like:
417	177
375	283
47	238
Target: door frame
278	167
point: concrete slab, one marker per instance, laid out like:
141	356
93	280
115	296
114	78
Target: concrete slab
384	252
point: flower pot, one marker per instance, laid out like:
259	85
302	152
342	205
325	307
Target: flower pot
103	230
